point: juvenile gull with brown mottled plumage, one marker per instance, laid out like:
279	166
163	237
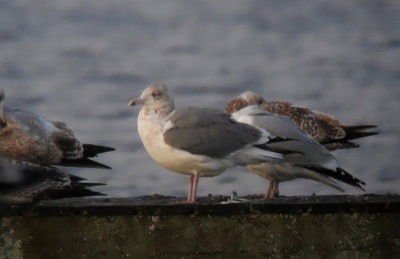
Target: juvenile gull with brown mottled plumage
324	128
199	142
28	137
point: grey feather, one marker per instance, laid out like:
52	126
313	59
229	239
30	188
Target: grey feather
208	132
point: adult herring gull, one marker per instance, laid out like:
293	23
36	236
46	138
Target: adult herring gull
199	142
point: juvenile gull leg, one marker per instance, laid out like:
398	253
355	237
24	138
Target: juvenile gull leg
273	190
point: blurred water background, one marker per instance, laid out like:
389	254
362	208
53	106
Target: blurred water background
81	61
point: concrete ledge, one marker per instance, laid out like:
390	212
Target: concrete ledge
161	205
288	227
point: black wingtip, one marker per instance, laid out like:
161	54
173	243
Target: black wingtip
345	177
90	150
83	162
277	139
359	131
340	174
82	183
279	150
359	127
352	132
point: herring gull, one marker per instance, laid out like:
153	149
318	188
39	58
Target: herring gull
303	156
199	142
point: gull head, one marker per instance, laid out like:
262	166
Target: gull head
155	97
245	99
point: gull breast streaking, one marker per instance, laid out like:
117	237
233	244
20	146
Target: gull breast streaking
28	137
305	158
324	128
199	142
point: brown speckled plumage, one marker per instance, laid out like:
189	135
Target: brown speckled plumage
17	146
322	127
28	137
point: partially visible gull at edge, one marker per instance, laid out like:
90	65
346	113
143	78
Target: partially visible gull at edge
26	183
303	156
199	142
28	137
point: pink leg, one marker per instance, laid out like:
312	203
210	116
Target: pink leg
193	182
189	198
276	190
193	192
273	190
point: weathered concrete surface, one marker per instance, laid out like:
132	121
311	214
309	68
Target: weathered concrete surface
72	230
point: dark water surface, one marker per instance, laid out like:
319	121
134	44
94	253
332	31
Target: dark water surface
81	61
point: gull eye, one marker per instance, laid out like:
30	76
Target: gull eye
156	94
